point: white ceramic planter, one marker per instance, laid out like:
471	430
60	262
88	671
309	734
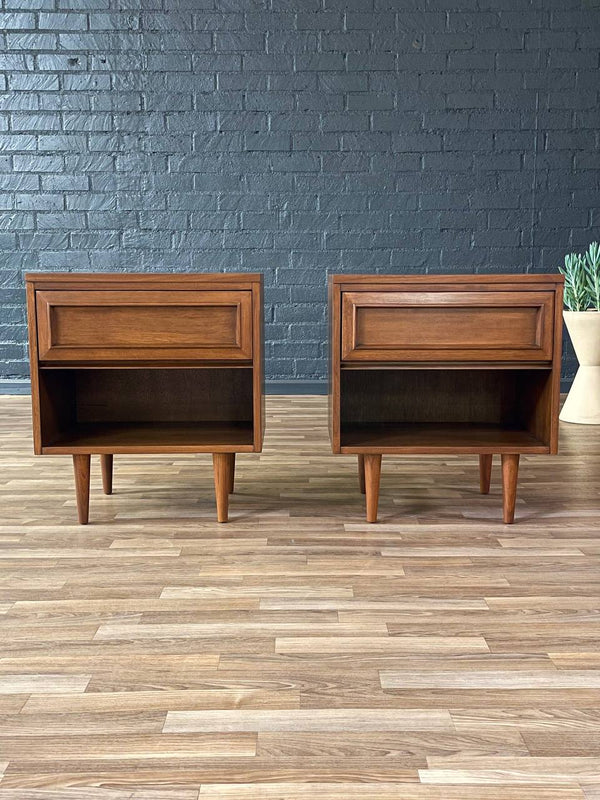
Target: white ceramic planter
583	403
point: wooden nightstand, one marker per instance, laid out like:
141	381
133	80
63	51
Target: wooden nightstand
146	363
445	364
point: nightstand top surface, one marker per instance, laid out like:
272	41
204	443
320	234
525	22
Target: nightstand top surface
526	279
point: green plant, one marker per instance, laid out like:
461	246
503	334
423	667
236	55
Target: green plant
592	269
582	279
577	292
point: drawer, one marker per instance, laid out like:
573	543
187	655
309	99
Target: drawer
93	325
447	326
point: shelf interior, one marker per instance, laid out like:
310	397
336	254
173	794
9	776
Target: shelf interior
145	410
437	411
434	437
144	437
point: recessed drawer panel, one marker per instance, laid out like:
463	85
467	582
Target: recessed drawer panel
147	325
447	326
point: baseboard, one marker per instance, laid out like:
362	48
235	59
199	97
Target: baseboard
296	387
14	386
17	386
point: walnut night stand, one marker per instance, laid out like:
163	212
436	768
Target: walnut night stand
445	364
146	363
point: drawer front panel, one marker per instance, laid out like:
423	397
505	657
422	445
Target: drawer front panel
147	325
447	326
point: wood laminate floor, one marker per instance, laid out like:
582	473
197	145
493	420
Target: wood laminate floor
299	652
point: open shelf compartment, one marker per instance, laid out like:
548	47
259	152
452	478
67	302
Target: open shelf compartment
445	411
145	410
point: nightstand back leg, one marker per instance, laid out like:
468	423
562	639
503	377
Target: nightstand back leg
485	473
106	462
361	473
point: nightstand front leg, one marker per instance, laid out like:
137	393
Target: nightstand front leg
106	462
361	473
372	476
81	468
223	464
485	472
510	473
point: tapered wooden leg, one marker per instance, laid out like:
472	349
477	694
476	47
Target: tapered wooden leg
231	473
223	468
81	468
485	472
106	462
372	476
361	473
510	472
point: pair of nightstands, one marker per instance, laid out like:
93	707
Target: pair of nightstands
131	363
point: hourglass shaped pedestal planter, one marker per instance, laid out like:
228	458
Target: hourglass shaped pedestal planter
583	403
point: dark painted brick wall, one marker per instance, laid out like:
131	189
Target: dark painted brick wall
294	137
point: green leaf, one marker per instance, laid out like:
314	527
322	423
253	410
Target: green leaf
592	269
578	293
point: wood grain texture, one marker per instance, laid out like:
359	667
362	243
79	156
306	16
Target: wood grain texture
418	326
114	324
298	652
